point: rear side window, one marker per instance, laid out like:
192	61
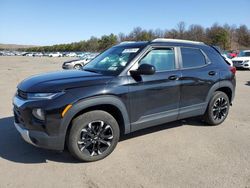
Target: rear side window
192	57
162	59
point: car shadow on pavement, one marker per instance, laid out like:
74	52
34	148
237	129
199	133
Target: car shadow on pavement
248	83
190	122
15	149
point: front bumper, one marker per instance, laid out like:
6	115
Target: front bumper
239	64
40	134
68	66
24	133
40	139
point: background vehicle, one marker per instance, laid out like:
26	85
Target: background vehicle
233	54
71	54
242	60
81	55
38	54
56	54
128	87
77	63
29	54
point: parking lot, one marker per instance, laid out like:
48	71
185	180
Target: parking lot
179	154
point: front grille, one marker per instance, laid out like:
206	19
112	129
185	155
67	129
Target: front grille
16	118
237	62
16	110
22	94
17	115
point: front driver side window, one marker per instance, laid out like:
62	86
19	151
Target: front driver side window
163	59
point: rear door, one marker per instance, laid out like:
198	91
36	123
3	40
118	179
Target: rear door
198	76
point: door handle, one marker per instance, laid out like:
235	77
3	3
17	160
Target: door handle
211	73
173	77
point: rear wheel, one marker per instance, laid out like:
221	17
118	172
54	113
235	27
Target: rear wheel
93	136
217	109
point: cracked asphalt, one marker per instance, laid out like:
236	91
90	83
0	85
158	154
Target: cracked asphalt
179	154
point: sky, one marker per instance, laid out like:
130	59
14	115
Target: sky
47	22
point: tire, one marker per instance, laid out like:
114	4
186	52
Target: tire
78	67
217	109
84	141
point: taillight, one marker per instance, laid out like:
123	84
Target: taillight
232	69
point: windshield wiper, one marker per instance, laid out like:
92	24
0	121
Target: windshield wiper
91	70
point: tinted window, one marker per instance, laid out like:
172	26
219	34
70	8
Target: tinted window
162	59
192	57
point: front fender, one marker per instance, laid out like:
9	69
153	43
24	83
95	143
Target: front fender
91	102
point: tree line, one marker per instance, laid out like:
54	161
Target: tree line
227	37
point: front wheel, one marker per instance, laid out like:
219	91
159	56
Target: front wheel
93	136
217	109
78	67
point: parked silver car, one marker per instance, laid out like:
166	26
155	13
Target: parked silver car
77	63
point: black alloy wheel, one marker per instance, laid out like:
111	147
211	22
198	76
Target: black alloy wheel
217	109
95	138
93	135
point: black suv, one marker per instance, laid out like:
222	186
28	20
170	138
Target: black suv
128	87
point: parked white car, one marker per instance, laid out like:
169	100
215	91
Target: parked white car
81	55
242	60
30	54
39	54
56	54
71	54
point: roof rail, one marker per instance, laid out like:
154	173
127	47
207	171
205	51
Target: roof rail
176	40
127	42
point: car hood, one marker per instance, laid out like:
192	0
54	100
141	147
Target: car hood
240	58
70	61
62	80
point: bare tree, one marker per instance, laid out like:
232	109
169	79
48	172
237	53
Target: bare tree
243	36
181	27
226	36
217	35
196	33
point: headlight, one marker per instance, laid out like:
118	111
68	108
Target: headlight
246	61
38	113
37	96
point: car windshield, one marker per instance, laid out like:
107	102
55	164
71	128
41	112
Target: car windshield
244	54
112	61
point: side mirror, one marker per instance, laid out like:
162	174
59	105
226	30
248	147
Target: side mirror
144	69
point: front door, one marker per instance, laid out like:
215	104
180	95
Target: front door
154	99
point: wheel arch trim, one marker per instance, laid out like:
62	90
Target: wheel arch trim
92	102
219	85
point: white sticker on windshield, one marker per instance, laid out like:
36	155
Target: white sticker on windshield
112	68
130	50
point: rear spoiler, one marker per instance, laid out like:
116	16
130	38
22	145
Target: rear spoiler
220	54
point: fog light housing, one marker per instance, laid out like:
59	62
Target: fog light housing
38	113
